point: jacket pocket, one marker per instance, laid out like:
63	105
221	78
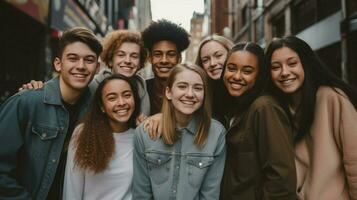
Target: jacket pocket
197	168
159	167
45	132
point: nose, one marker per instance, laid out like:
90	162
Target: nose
164	58
81	64
237	76
127	59
285	71
189	92
120	101
213	62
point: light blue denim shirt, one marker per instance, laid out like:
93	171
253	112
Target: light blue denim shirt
180	171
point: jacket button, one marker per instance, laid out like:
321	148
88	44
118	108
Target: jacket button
53	160
159	161
44	135
200	164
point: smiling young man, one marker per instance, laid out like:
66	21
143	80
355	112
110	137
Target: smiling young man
36	125
165	42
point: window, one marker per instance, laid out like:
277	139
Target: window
278	23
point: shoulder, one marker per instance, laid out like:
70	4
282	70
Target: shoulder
29	97
217	127
140	133
265	101
329	93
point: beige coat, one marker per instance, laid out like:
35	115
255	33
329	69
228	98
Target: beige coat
326	160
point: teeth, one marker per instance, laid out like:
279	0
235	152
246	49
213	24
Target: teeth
79	75
286	82
188	102
236	86
121	112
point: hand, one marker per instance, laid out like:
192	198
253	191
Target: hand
153	125
33	85
140	118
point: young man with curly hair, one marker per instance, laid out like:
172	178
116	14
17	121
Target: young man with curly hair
165	41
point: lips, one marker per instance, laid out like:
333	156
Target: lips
164	69
79	75
287	81
236	86
122	112
188	102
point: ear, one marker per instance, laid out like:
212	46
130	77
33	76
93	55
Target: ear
168	93
102	109
58	65
180	58
97	67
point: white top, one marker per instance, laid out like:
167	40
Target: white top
112	184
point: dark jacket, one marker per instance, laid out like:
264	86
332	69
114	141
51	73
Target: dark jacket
260	156
33	128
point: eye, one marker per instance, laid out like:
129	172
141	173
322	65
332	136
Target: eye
219	55
89	60
275	67
292	64
171	54
182	86
247	70
198	88
134	55
205	60
231	68
128	95
72	58
121	54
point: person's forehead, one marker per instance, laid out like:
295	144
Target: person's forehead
164	45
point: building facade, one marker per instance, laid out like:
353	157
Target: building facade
329	26
30	30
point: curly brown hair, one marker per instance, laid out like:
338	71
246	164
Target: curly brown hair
95	145
115	39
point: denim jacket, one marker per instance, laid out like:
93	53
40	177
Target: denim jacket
33	127
180	171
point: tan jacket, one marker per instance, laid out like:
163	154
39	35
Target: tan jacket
326	159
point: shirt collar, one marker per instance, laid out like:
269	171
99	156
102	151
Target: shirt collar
192	126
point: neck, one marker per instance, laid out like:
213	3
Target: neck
295	100
160	83
182	120
69	95
118	127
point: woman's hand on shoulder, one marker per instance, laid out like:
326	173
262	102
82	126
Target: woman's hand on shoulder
153	126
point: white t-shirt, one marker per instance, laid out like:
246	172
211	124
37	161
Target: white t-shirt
112	184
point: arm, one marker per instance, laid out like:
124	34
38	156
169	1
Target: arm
211	184
12	122
73	188
141	179
335	115
276	154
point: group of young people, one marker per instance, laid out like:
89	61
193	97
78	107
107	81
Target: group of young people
240	123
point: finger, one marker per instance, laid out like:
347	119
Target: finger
34	84
40	84
29	86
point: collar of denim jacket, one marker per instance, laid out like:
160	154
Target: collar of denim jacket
192	126
52	92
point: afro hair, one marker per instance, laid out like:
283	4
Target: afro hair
165	30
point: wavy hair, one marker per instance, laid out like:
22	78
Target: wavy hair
112	41
203	114
95	145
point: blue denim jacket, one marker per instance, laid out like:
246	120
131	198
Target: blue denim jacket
181	171
33	127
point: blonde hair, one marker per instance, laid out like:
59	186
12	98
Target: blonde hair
225	42
204	112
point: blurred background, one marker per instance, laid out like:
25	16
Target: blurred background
30	29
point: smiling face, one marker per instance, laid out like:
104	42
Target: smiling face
186	94
240	73
118	103
126	59
164	56
213	55
77	66
286	70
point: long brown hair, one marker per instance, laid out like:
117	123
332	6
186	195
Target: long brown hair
95	143
204	113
